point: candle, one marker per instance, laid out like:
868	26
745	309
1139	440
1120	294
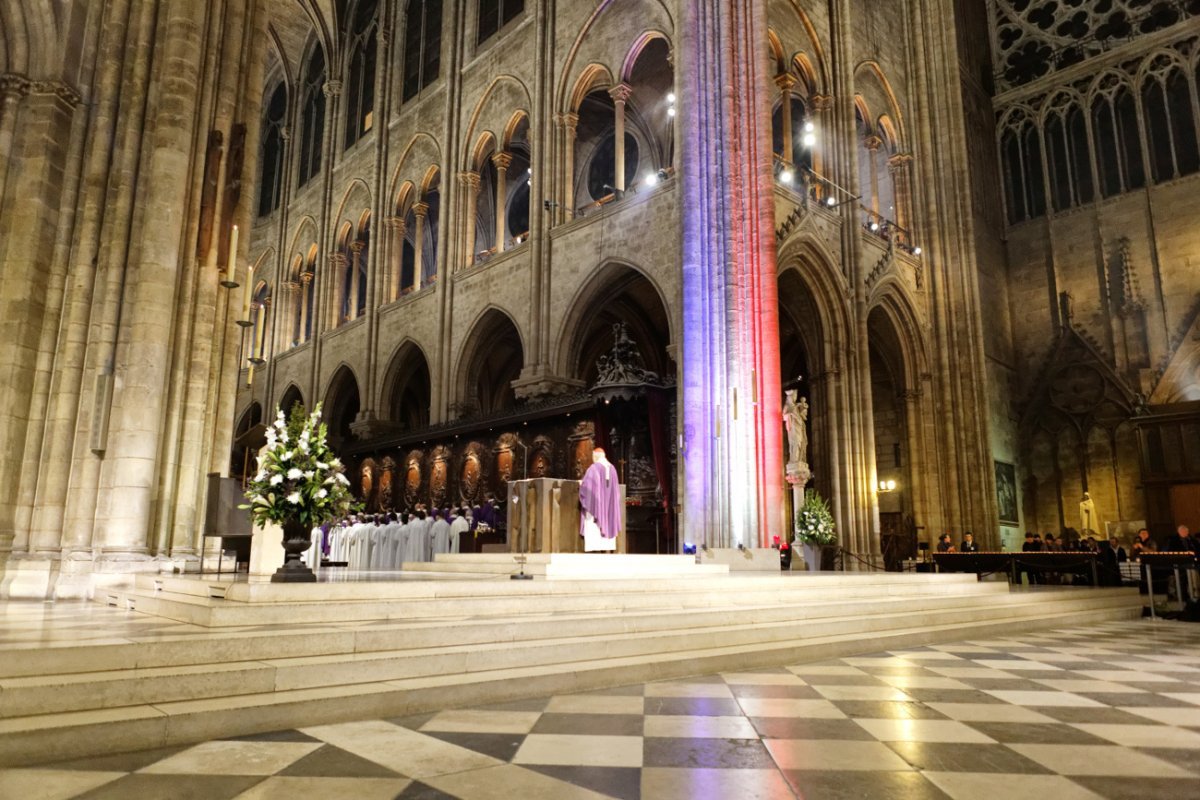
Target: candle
259	328
247	290
231	265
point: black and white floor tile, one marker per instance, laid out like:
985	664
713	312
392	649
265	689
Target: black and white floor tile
1110	712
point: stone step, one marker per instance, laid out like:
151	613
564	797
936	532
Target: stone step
443	651
48	737
250	604
297	640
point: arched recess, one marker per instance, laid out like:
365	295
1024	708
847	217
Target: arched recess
615	293
889	391
291	396
247	438
407	387
492	357
814	337
342	402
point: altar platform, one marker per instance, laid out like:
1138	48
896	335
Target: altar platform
171	660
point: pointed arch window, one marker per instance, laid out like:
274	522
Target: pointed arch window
1118	147
494	15
1170	128
1068	157
312	122
360	76
270	182
1021	157
422	45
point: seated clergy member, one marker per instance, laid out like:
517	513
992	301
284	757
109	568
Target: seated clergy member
945	545
968	544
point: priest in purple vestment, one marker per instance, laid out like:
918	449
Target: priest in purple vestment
600	500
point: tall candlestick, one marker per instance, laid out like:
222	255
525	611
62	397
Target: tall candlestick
260	327
229	277
247	289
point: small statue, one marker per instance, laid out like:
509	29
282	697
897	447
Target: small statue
795	416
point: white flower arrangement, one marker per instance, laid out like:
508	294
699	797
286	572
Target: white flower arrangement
305	484
814	522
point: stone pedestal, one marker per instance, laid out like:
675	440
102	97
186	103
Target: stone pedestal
266	550
747	559
543	517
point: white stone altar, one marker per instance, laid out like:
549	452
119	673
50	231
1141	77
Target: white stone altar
543	517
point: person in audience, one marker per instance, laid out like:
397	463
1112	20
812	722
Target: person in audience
1181	541
945	545
968	544
1112	556
1143	543
1032	545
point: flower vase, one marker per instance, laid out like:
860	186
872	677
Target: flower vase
812	556
296	539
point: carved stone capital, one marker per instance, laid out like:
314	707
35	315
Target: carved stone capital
356	247
13	86
821	102
337	260
568	121
872	143
396	224
785	81
306	278
285	132
899	161
468	179
502	160
332	88
420	210
620	93
64	92
292	286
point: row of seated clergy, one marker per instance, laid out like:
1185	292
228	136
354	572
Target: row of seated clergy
386	543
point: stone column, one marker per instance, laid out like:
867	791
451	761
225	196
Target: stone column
306	279
732	427
293	298
420	210
566	211
143	353
821	103
356	258
395	259
873	143
12	89
502	162
620	94
899	166
470	184
785	81
337	269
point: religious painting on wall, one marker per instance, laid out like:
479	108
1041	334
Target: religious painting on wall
504	461
387	473
472	470
1006	493
412	480
583	457
542	458
437	477
367	484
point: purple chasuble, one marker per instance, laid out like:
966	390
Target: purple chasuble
600	496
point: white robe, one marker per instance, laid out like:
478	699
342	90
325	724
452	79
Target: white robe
458	527
440	531
418	545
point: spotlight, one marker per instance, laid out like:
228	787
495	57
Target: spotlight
829	201
651	180
809	139
916	251
874	226
887	486
786	176
671	111
809	127
670	97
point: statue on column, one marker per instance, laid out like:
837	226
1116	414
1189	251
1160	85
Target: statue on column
795	418
1087	516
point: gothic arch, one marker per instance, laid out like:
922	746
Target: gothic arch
635	51
493	339
306	234
291	395
656	15
504	94
872	84
606	286
819	70
342	403
594	76
356	198
422	148
406	388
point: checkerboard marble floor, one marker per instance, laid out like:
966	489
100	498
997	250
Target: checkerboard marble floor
1111	711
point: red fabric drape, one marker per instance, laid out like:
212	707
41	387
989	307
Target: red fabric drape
656	402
